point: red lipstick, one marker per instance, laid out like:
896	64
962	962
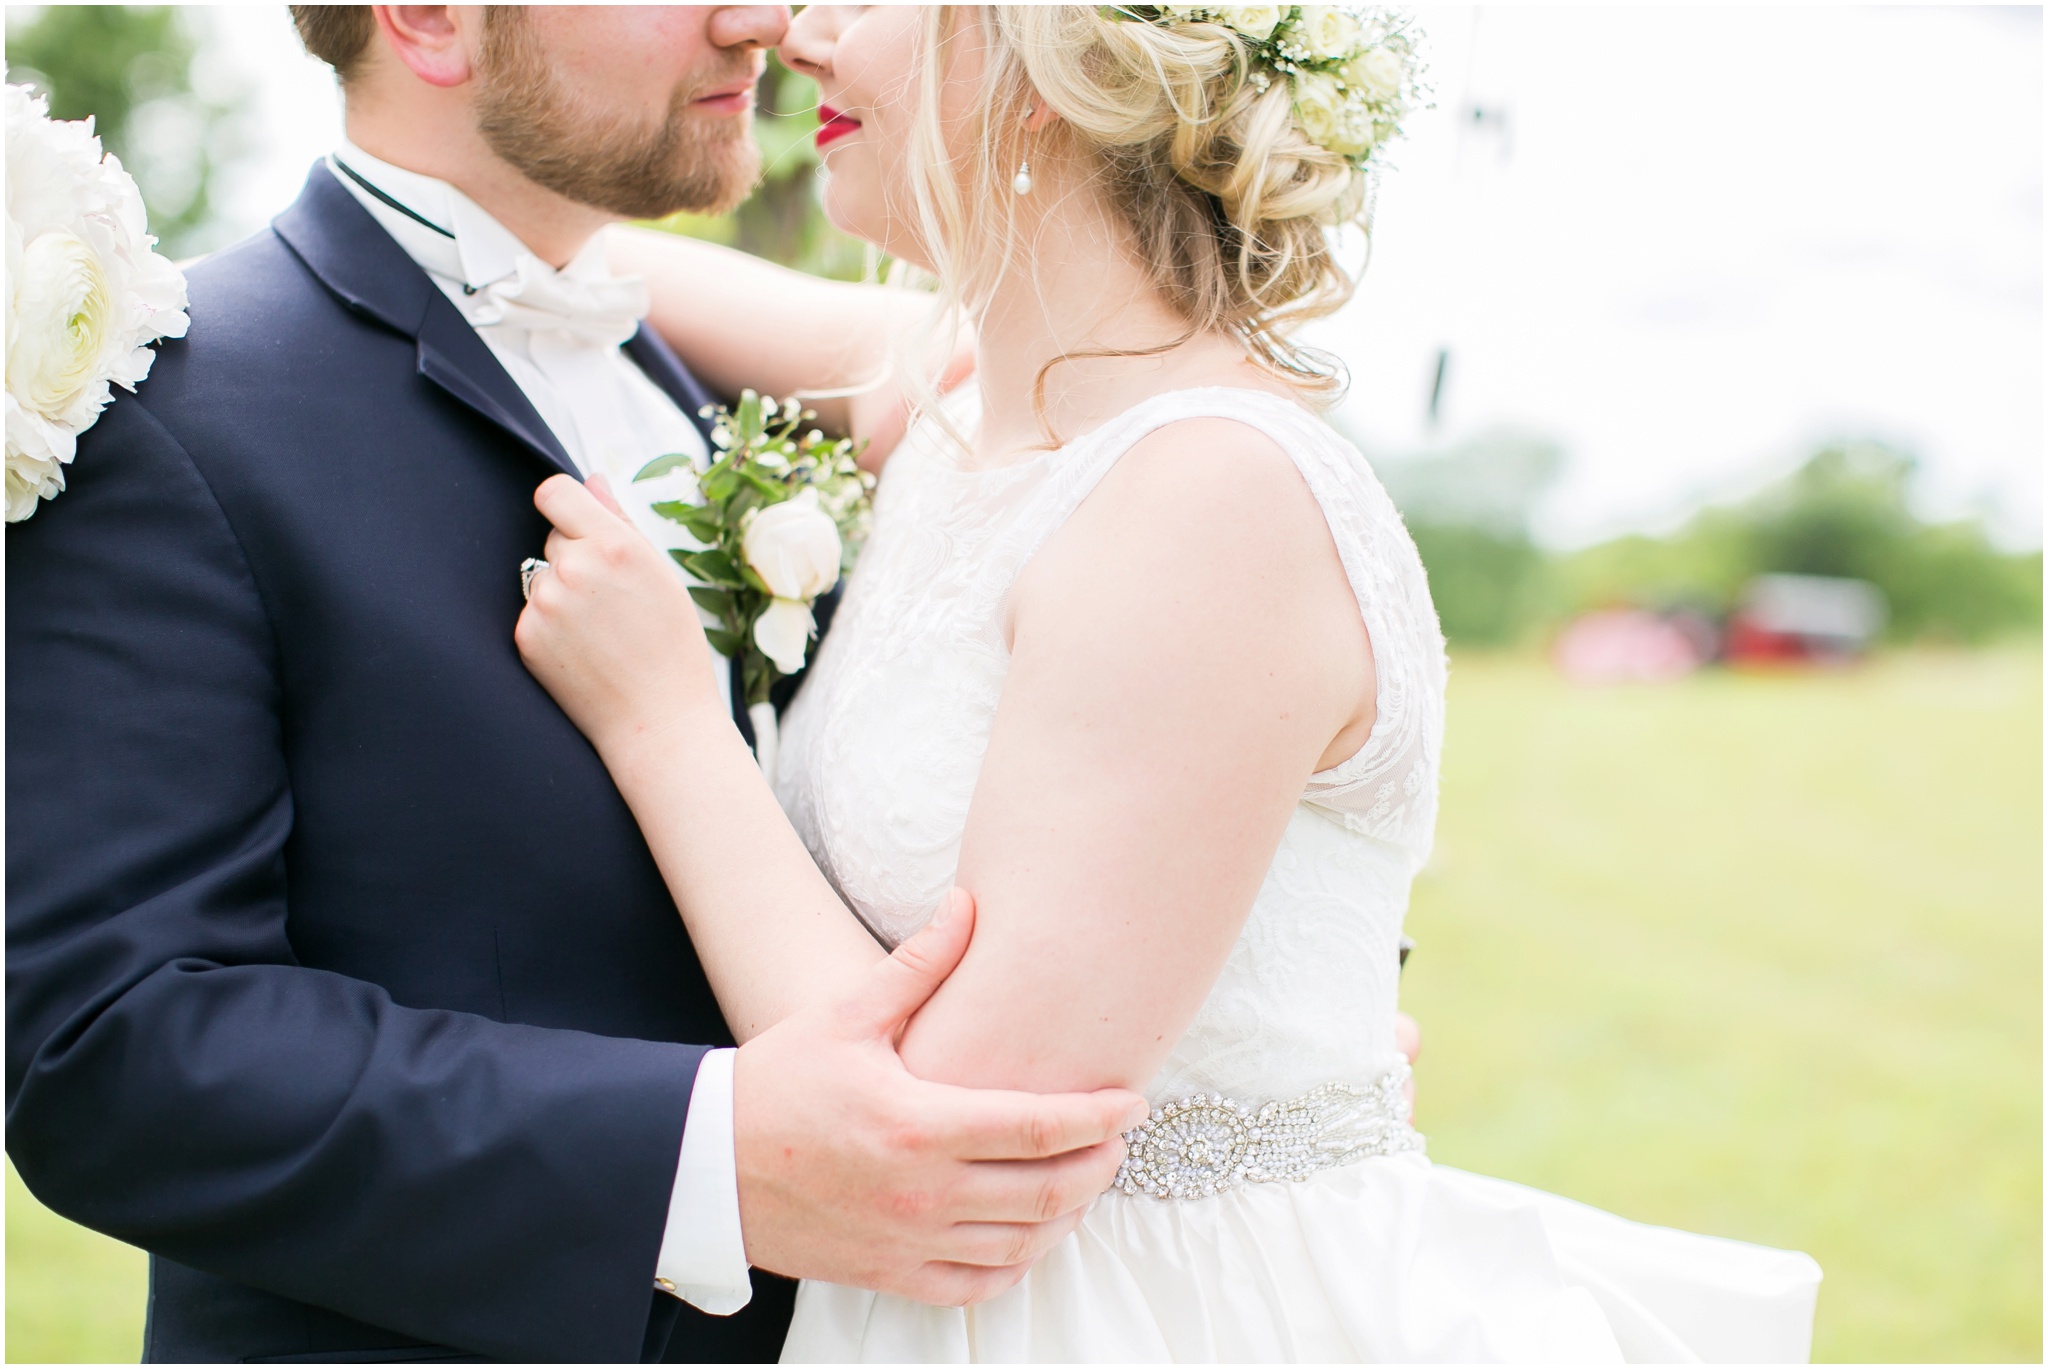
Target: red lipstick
832	126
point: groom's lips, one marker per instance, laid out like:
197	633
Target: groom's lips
832	126
734	99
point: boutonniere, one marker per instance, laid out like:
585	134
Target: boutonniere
785	512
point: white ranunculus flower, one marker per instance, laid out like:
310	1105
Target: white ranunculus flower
63	323
86	295
783	632
794	547
1329	32
1318	106
1377	72
1255	22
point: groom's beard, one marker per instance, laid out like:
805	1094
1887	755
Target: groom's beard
636	169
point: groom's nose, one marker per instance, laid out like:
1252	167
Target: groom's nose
744	27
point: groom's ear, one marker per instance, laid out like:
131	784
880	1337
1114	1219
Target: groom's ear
432	40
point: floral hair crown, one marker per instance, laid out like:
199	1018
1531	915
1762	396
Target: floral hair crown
1355	72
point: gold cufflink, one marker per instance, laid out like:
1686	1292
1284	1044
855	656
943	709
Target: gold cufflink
664	1285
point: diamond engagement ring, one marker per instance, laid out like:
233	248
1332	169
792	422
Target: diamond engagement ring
529	568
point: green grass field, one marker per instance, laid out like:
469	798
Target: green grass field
1757	956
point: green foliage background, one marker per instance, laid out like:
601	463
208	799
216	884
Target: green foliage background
130	69
1845	511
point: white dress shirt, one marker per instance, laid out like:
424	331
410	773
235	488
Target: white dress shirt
558	335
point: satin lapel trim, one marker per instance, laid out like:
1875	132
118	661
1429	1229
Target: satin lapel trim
453	357
350	253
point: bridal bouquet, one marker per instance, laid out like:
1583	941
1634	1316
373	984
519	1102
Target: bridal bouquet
784	514
86	294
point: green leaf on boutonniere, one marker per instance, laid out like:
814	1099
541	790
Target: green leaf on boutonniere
746	421
718	483
713	568
701	522
772	491
662	465
726	644
719	601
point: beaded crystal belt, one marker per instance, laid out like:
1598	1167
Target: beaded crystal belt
1205	1145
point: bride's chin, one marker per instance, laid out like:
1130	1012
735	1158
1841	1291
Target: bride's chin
845	212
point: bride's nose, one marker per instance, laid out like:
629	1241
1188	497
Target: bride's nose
807	46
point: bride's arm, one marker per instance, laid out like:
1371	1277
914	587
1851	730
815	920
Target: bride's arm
610	630
744	323
1184	657
1186	652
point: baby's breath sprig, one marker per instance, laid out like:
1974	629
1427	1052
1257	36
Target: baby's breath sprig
1355	72
784	514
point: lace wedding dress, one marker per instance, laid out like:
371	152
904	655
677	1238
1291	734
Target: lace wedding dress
1278	1207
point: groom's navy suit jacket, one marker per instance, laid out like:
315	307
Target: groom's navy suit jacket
338	975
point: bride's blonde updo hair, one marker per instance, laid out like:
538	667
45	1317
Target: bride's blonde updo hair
1226	199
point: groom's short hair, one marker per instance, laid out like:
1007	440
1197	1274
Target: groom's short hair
336	34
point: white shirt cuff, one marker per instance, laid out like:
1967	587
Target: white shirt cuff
703	1257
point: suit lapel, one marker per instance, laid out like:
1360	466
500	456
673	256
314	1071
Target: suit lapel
352	255
456	359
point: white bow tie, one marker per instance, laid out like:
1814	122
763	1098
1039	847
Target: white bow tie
539	299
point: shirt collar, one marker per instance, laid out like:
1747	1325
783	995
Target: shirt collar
465	243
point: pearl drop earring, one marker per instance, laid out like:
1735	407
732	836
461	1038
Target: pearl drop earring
1021	182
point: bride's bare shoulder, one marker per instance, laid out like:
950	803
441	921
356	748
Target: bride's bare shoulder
1210	506
1209	467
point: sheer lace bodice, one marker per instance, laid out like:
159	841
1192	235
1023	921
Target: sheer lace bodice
881	750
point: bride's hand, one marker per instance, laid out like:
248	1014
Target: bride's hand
610	629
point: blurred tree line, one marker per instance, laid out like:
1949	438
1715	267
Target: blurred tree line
131	69
1845	511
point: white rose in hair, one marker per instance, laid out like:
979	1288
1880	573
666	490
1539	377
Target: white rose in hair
1319	107
794	547
1255	22
1328	32
1377	72
86	295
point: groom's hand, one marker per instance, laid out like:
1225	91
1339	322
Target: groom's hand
853	1171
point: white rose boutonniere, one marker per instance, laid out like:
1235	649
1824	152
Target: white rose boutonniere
784	515
795	548
86	294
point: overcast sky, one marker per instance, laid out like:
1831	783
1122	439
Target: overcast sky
1689	243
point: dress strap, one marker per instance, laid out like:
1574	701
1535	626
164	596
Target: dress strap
1387	789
